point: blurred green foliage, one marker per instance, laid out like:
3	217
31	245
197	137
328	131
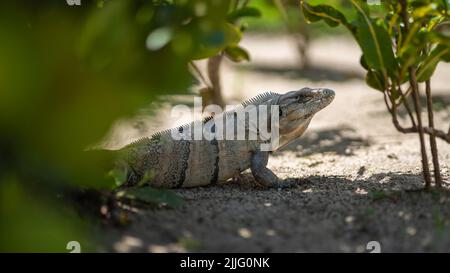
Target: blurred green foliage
286	16
32	223
402	43
389	48
149	195
66	73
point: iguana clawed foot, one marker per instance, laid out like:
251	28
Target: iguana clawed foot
264	176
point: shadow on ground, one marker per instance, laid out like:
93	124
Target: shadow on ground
441	102
321	214
342	141
312	73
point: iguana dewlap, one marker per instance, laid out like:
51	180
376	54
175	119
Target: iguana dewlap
162	161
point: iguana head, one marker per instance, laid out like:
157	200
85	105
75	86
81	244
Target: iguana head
296	109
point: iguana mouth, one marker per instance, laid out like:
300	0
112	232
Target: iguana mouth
307	116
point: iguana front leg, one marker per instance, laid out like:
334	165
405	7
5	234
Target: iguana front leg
264	175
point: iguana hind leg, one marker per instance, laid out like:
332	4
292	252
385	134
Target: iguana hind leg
262	174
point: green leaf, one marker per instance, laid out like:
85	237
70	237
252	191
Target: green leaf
413	41
243	12
237	54
153	196
446	58
230	35
426	70
441	33
445	5
375	79
363	63
374	41
330	15
119	176
425	11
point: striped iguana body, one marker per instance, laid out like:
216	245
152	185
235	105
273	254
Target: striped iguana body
162	161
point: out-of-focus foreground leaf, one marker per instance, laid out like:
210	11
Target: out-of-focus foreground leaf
237	54
243	12
153	196
66	74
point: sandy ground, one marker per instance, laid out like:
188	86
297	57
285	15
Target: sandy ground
356	174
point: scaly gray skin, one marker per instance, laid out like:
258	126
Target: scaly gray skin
161	161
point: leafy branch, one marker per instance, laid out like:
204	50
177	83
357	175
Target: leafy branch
404	45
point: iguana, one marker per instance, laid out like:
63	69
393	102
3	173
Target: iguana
162	161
